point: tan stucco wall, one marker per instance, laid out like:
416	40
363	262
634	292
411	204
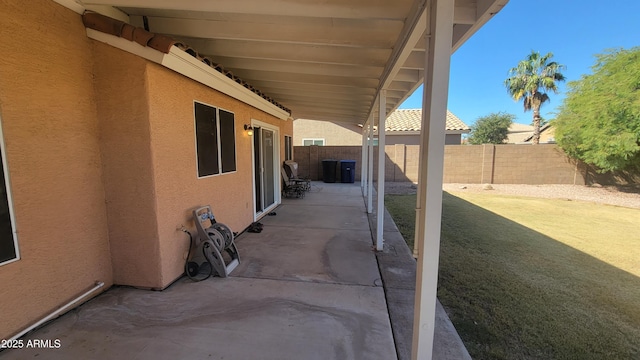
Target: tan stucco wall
342	134
177	188
333	133
51	135
123	112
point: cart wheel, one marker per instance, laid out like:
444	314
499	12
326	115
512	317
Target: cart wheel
192	268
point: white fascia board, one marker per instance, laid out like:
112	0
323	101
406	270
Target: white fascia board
126	45
185	64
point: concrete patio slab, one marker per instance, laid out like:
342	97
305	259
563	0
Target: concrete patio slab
297	213
233	318
330	255
330	194
309	286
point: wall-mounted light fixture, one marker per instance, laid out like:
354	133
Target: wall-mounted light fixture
248	129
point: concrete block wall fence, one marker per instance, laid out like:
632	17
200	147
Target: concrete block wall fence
468	164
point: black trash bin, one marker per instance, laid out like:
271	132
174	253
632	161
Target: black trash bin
329	170
348	171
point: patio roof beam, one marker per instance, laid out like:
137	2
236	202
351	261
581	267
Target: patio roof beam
465	13
408	75
341	107
294	94
315	54
321	90
415	60
354	9
347	103
357	33
297	67
400	85
274	76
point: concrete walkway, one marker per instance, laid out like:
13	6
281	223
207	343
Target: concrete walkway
308	287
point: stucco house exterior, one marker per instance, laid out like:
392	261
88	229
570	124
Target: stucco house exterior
523	134
107	152
401	127
547	135
518	133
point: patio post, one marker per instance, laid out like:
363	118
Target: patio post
382	113
434	112
363	162
370	169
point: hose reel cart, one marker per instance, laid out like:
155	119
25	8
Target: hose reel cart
213	249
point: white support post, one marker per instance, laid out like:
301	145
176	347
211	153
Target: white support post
434	111
363	164
370	168
382	113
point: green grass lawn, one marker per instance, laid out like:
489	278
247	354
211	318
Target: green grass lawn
526	278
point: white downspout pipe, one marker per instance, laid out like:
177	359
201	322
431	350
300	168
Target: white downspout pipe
60	310
382	113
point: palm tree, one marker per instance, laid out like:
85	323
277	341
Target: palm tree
529	81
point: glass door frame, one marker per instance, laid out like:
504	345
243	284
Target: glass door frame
277	182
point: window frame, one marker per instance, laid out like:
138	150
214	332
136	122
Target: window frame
218	141
7	184
313	140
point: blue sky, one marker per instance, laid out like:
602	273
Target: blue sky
572	30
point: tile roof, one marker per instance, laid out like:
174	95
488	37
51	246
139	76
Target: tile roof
517	127
411	120
161	43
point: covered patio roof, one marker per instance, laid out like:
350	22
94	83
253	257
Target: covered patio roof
324	60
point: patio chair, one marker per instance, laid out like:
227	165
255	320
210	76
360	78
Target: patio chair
291	167
291	188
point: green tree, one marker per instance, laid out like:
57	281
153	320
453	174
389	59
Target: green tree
529	81
491	129
599	120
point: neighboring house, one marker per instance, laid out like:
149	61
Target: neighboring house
547	135
518	133
523	134
323	133
401	127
